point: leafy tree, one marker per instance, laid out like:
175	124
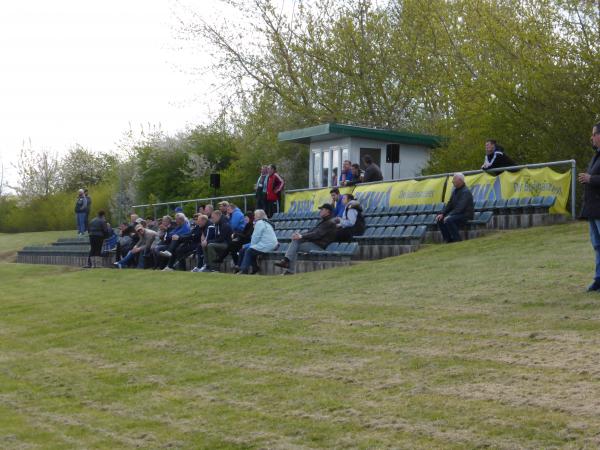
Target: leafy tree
81	168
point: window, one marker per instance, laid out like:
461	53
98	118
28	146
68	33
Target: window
317	168
335	171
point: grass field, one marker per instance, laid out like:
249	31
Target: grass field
486	343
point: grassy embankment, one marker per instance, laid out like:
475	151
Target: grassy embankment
490	342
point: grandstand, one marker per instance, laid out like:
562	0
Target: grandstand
391	229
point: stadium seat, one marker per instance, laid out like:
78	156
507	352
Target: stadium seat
410	220
411	209
438	207
398	231
402	209
366	235
549	201
427	209
420	209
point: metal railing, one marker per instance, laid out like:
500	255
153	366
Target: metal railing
198	201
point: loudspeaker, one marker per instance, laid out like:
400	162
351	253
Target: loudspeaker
215	180
392	153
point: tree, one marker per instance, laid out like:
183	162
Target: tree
81	168
38	174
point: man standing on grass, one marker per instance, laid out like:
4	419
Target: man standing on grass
81	212
591	202
457	212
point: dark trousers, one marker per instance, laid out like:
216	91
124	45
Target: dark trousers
261	200
179	254
345	234
450	228
249	256
272	208
95	247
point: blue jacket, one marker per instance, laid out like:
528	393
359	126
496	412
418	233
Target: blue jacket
263	237
236	221
339	208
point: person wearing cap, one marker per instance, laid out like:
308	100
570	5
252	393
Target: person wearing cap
316	239
141	249
81	212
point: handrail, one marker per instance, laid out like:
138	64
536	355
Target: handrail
570	162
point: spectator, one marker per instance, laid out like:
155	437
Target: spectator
261	188
239	239
184	244
141	249
236	218
165	231
458	211
495	156
275	186
215	247
201	230
208	209
133	217
357	176
89	209
99	230
126	240
334	176
81	212
316	239
263	240
591	202
346	175
352	222
336	201
224	208
182	227
372	171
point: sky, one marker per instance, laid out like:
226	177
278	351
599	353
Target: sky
73	71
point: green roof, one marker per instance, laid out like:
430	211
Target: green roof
330	131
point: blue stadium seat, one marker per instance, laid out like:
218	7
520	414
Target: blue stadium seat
402	209
366	235
512	204
393	220
408	232
398	231
420	209
549	201
429	219
438	207
419	232
351	249
411	209
370	221
401	220
479	205
410	220
427	209
394	210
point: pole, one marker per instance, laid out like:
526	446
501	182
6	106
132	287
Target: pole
573	186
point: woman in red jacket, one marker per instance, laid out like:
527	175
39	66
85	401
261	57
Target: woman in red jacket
274	188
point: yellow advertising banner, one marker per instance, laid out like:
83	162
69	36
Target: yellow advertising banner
310	200
398	193
520	184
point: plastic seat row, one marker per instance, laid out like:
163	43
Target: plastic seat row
280	216
516	205
296	224
432	208
335	249
391	234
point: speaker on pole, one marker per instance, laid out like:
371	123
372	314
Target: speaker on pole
215	180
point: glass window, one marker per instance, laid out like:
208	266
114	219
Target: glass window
325	172
345	154
317	168
335	171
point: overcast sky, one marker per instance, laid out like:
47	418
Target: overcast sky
73	71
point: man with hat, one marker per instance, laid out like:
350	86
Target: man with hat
316	239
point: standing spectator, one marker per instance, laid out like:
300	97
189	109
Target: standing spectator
263	240
591	202
458	211
81	212
141	249
316	239
99	230
336	201
495	156
89	209
351	223
261	188
216	246
346	175
372	171
274	188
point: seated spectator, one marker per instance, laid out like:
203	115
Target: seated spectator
151	224
201	229
458	211
208	210
352	222
182	227
372	171
357	176
141	249
165	231
238	239
263	240
336	201
346	175
133	219
316	239
495	157
223	207
127	239
236	218
215	246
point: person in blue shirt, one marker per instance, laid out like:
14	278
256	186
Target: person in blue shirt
346	174
336	201
236	218
182	227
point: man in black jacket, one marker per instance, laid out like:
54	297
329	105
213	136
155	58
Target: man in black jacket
215	246
591	202
316	239
495	156
372	170
458	210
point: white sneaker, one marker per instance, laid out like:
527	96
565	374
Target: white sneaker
166	254
168	269
195	270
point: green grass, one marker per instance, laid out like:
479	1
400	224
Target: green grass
10	243
486	343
